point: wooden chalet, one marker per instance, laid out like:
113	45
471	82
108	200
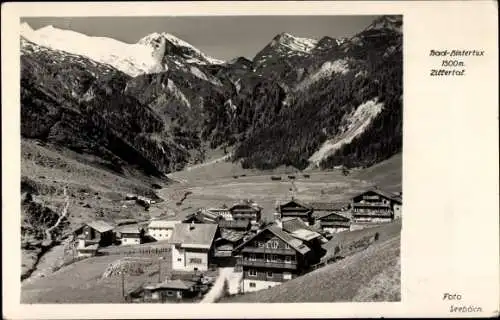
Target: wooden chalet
96	232
170	291
271	257
333	222
161	229
246	210
375	206
297	209
224	246
193	246
130	234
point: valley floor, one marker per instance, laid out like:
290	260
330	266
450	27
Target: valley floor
96	192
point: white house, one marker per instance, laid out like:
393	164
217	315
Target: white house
161	229
193	246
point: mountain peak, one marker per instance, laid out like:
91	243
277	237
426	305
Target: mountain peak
387	22
156	39
293	42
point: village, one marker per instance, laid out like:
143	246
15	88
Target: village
224	251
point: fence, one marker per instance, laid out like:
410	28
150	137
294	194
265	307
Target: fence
138	251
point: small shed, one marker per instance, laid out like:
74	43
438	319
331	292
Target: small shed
170	290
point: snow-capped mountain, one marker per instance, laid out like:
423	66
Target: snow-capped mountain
284	46
148	55
349	89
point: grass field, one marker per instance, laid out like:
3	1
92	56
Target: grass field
97	191
345	239
369	275
215	184
81	282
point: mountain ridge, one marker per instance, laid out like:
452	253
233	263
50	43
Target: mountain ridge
228	102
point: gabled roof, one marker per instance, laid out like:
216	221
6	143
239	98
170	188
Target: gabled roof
340	217
232	235
172	284
299	229
298	203
129	229
296	244
385	194
164	224
199	235
202	217
328	206
234	224
101	226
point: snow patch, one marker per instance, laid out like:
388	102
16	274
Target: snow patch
229	104
327	70
176	92
142	57
296	43
356	124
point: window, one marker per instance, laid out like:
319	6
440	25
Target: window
274	258
179	259
287	246
274	244
253	257
170	293
195	260
268	258
252	273
252	284
260	244
288	259
269	274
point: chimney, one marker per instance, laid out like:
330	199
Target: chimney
191	227
277	220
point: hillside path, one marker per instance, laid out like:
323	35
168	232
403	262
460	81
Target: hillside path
216	290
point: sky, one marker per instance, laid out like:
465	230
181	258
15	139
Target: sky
225	37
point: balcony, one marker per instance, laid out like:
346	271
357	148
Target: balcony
268	250
371	205
264	264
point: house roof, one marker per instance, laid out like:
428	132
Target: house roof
100	225
298	229
234	224
291	224
324	214
383	193
129	229
172	284
120	222
164	224
232	235
297	202
293	242
202	216
328	206
194	235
